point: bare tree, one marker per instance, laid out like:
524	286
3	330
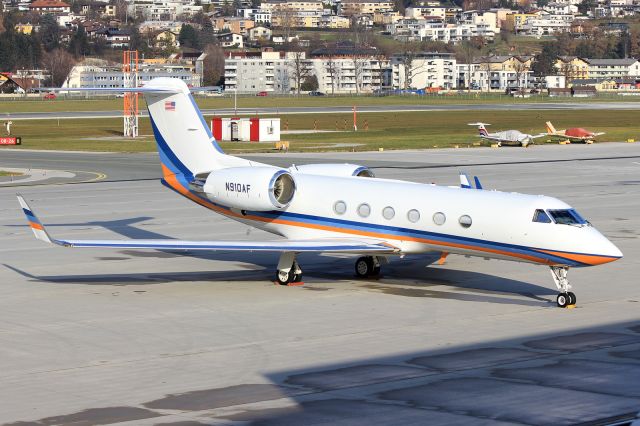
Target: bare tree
521	68
381	70
59	63
213	65
300	69
287	20
358	70
332	69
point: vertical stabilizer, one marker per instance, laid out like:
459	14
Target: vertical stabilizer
550	128
185	143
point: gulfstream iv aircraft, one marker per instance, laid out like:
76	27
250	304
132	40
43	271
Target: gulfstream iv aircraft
342	208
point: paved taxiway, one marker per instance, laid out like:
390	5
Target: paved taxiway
98	337
347	109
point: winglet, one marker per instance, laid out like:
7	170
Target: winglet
464	181
477	181
36	226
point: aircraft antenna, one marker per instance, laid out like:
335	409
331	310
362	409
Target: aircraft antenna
130	110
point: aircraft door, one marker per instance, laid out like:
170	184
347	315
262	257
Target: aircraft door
235	136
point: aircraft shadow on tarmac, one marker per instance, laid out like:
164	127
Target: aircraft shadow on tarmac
522	380
411	280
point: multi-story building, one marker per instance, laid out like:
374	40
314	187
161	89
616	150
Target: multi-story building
101	74
572	67
360	7
348	69
297	19
613	68
515	21
233	24
421	30
422	70
333	21
296	5
547	24
496	73
49	6
252	72
162	10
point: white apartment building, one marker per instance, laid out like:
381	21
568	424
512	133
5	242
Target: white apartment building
162	10
349	70
247	73
486	18
496	80
274	72
421	30
547	24
425	69
613	68
102	75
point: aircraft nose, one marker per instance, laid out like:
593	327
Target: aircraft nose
608	252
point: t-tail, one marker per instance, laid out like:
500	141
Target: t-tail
482	130
185	143
550	128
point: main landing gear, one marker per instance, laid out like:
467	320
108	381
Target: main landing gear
367	266
289	271
565	298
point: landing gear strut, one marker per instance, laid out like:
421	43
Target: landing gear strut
367	266
288	269
566	297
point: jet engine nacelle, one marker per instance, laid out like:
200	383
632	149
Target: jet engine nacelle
250	188
340	170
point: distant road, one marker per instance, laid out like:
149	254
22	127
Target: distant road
344	109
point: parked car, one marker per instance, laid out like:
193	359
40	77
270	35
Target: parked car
50	95
316	93
263	93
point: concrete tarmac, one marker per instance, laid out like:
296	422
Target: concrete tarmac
177	338
346	109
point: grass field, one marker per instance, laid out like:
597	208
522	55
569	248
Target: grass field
5	173
405	130
35	105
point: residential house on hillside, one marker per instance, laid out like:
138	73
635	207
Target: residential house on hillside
49	6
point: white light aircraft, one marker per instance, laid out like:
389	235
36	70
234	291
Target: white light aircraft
506	136
342	208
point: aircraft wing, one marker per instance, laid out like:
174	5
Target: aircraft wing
599	134
324	245
539	135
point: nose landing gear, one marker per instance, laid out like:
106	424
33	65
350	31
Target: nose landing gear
566	297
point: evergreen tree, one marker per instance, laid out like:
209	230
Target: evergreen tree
49	32
188	37
79	43
544	61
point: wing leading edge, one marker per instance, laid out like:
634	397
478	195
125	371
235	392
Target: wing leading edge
325	245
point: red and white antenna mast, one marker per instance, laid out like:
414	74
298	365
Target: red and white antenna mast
130	111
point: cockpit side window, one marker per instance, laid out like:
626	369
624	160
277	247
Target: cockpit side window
541	217
567	217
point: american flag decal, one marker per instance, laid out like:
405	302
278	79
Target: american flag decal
169	105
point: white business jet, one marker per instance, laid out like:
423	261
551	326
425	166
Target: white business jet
342	208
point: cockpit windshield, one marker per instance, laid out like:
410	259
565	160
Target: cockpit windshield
567	217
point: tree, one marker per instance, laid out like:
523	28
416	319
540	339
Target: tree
188	37
521	69
300	69
310	83
213	66
544	62
59	63
49	32
79	43
586	6
332	69
358	69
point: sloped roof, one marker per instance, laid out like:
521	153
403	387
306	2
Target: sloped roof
48	3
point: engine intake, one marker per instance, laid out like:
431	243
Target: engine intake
248	188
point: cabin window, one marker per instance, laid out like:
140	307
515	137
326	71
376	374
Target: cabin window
340	207
388	213
567	217
364	210
439	218
541	217
465	221
413	215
